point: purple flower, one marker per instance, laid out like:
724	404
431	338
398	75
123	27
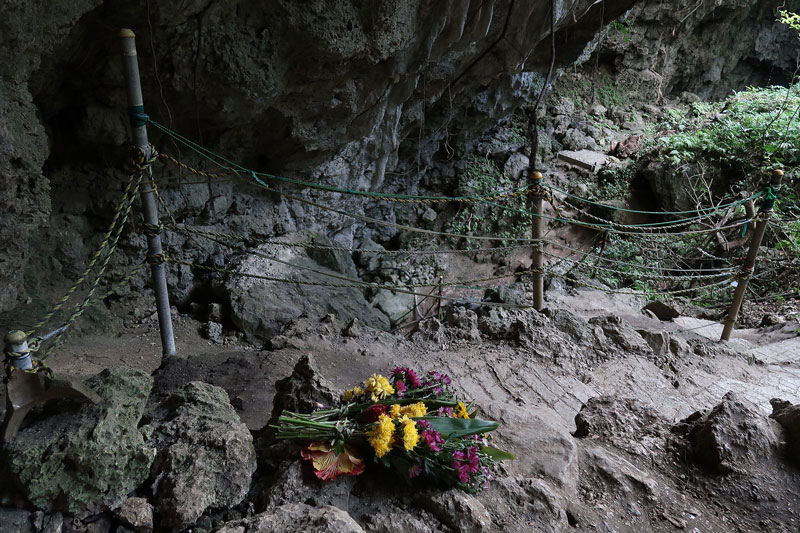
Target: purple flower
414	471
466	463
402	373
433	438
446	411
438	391
401	388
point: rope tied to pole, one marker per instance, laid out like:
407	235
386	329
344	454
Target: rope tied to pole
152	230
138	117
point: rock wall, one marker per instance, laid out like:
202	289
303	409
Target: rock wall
707	48
331	91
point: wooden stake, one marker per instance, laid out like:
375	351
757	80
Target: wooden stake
749	263
133	87
537	230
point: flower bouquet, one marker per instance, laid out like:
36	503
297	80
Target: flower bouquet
414	425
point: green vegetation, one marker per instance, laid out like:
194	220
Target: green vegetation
751	132
482	177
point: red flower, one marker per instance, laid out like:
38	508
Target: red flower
373	412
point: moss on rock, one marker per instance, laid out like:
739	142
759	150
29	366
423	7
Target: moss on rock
85	458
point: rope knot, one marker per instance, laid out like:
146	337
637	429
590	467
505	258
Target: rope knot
152	230
157	259
143	158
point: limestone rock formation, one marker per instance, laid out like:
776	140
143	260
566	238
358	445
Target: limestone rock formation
205	457
262	307
294	517
86	458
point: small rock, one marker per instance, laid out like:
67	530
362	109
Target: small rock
516	165
294	518
464	322
353	329
429	215
458	510
396	305
771	319
689	98
136	512
213	332
598	110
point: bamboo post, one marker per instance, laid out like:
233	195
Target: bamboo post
764	213
150	210
536	235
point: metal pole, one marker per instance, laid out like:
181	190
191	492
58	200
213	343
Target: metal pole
150	210
755	243
537	230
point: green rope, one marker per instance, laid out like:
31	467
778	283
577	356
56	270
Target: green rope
229	165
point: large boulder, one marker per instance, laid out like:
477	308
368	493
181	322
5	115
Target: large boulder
263	307
788	416
731	437
205	456
85	458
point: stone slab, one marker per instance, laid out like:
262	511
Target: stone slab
585	159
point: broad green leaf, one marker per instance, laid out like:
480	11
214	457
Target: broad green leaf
496	453
460	427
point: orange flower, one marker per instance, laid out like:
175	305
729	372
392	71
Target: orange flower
328	464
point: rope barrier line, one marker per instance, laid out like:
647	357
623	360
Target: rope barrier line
399	289
580	263
608	225
144	167
637	265
694	211
245	239
641	293
355	283
459	283
109	243
652	226
235	168
604	225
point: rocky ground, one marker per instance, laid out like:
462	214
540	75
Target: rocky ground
619	421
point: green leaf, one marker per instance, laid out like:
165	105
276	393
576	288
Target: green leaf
771	148
496	453
451	428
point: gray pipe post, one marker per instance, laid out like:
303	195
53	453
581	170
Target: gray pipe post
537	230
133	86
764	213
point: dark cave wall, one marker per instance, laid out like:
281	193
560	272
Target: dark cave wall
323	90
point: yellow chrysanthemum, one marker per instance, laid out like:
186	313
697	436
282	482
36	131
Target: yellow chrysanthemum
378	387
410	433
380	436
352	393
395	411
461	411
415	410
